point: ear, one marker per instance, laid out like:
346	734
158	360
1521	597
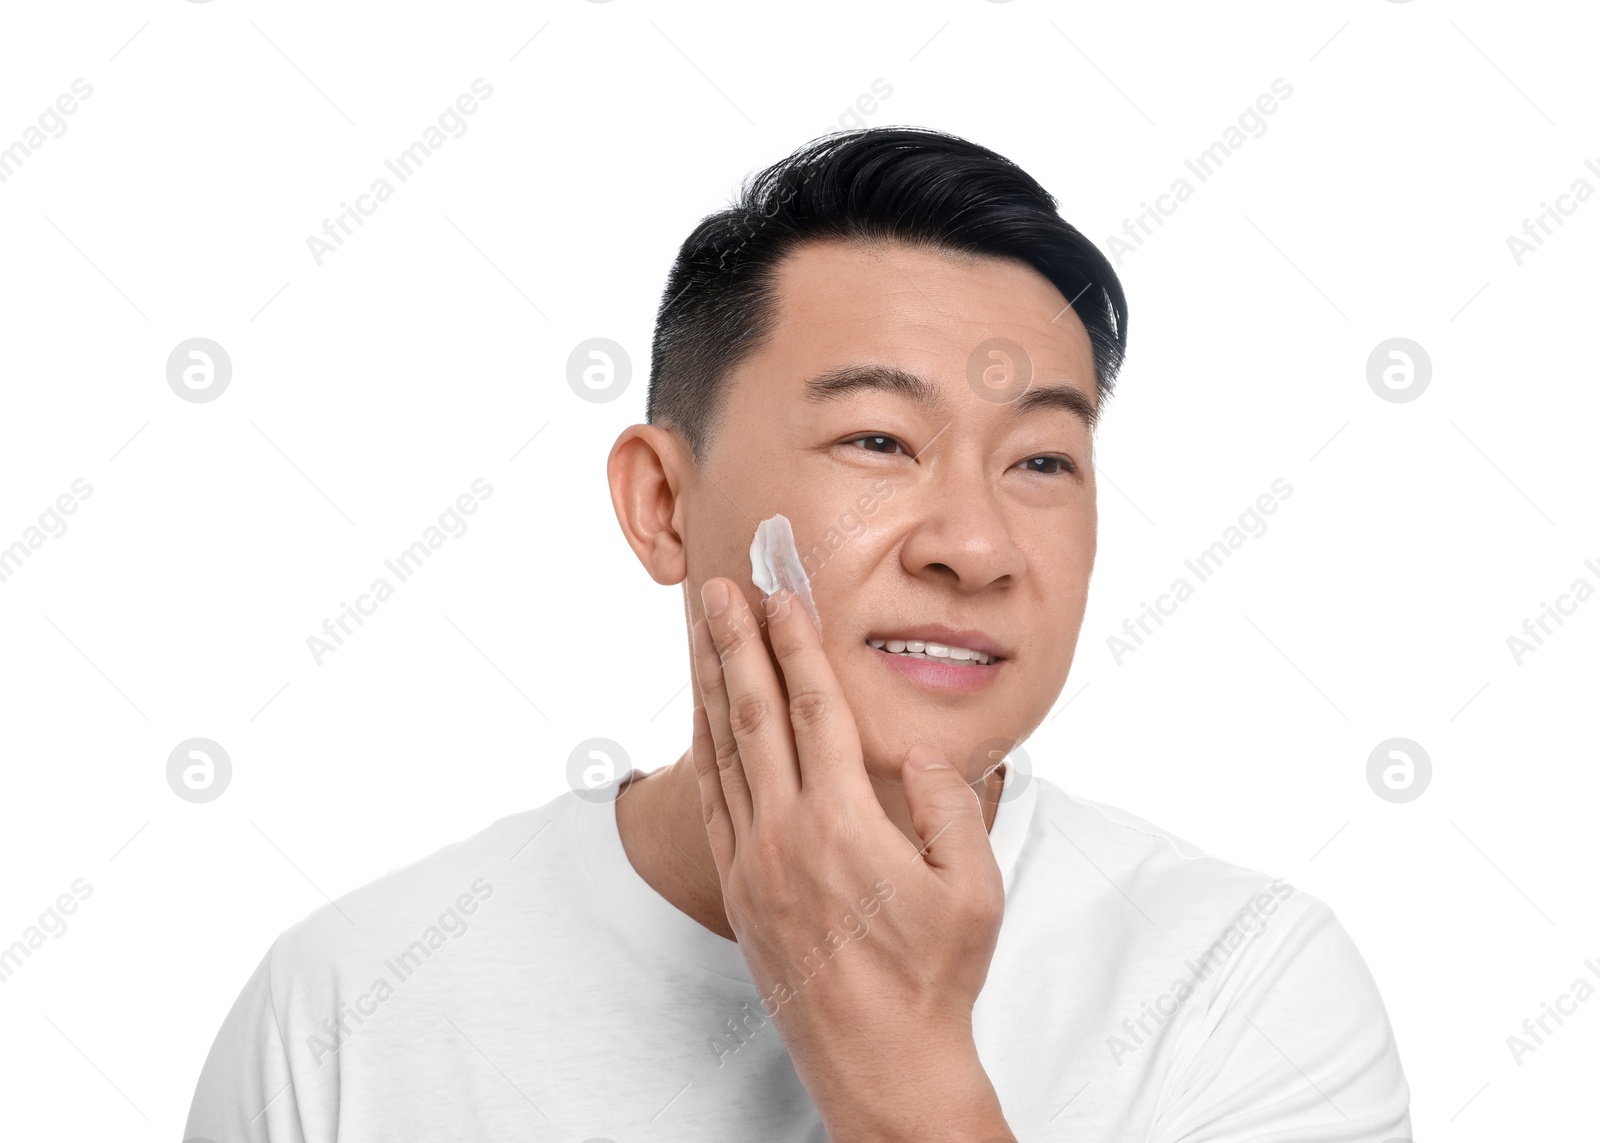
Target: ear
647	471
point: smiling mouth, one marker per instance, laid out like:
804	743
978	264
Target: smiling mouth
934	652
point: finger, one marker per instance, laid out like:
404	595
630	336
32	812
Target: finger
758	716
946	813
713	802
724	749
827	742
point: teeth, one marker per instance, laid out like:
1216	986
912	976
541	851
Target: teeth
924	649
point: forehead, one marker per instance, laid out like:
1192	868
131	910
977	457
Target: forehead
922	308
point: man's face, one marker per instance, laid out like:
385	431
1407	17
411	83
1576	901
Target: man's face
966	519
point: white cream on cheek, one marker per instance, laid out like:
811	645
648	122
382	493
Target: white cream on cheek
775	563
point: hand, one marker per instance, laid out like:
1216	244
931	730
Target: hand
869	951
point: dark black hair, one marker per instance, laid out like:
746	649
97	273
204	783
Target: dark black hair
911	184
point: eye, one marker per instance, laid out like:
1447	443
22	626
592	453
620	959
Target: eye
878	443
1063	465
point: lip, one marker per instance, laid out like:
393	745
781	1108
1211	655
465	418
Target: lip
946	677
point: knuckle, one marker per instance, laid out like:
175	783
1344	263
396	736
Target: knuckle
809	708
771	852
985	908
727	755
749	714
789	636
774	868
732	635
836	830
992	907
704	753
711	682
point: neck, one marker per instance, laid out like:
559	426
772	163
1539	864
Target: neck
664	835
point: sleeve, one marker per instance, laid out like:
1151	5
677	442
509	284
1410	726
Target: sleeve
1295	1047
246	1092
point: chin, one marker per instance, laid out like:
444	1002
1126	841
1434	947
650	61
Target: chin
884	756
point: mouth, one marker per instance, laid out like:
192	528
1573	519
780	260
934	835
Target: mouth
940	658
935	651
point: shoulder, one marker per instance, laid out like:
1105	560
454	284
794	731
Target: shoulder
433	898
1240	970
330	970
1158	869
1167	892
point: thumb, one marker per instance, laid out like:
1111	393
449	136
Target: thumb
945	811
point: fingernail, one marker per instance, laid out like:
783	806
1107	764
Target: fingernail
776	605
700	634
926	758
714	595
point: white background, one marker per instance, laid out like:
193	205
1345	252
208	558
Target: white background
369	392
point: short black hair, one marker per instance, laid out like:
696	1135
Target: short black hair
910	184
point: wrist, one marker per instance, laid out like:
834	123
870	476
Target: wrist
908	1092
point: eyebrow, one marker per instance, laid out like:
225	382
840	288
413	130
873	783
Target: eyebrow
1065	397
841	382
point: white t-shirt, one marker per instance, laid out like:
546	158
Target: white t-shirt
527	984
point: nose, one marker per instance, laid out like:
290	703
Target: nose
960	536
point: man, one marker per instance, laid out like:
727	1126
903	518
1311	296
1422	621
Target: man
840	914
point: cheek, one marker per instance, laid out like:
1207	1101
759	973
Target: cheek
1054	638
839	566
